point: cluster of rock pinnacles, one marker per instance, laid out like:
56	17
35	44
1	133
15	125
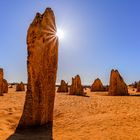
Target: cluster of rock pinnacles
42	61
117	86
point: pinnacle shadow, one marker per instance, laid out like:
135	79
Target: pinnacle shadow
135	95
34	133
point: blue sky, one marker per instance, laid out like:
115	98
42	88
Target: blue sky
99	35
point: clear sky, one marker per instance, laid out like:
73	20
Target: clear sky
98	35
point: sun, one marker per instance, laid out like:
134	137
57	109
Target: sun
60	34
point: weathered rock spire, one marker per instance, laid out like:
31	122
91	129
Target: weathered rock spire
76	87
42	46
63	87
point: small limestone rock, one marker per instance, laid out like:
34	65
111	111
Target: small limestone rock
106	88
42	46
1	81
76	87
97	86
117	85
11	86
20	87
5	86
63	87
138	86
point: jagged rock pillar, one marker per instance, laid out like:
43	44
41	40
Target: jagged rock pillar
76	87
117	85
63	87
42	46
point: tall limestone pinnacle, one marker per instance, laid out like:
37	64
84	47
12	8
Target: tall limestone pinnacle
42	61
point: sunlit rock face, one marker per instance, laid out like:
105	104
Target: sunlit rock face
1	81
97	86
42	46
63	87
76	87
5	86
20	87
138	86
117	85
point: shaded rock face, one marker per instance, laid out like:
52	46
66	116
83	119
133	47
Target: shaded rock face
42	46
117	85
138	86
63	87
5	86
76	87
1	81
97	86
20	87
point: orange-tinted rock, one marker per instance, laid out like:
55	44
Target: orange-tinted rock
11	86
97	85
20	87
76	87
5	86
42	69
138	86
106	88
63	87
117	85
1	81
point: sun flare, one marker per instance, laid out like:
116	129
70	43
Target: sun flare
60	34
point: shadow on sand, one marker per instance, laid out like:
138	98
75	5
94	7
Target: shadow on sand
137	95
37	133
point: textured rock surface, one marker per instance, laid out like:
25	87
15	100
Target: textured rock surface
20	87
63	87
42	69
76	87
117	85
138	86
97	85
1	81
5	86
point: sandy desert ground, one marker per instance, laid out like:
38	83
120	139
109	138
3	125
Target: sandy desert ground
96	117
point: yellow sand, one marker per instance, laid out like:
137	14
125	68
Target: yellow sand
96	117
